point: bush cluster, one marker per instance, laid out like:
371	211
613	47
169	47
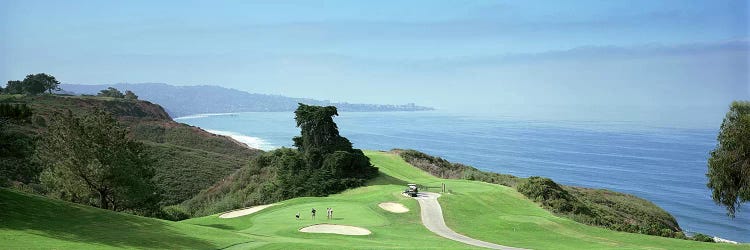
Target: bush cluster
444	169
15	111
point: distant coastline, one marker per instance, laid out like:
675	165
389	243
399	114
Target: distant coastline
181	101
195	116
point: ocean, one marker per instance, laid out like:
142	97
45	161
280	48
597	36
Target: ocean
665	165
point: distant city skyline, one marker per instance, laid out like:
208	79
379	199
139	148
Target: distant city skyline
483	56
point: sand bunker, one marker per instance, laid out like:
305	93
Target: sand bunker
335	229
393	207
244	211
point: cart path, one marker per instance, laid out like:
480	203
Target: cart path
432	218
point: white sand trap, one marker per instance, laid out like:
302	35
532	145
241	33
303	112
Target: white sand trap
393	207
244	211
335	229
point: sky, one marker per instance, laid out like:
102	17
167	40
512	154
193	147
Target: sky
570	58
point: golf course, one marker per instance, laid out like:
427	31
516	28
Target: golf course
486	212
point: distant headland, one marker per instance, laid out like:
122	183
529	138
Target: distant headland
189	100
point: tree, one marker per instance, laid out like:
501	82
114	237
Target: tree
33	84
39	83
318	131
14	87
130	95
111	92
91	160
729	164
330	162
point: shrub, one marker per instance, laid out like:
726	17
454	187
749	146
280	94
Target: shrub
444	169
547	192
703	238
173	213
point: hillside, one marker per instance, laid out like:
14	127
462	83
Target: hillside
189	159
489	212
188	100
35	222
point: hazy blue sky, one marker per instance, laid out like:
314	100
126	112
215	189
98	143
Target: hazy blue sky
455	55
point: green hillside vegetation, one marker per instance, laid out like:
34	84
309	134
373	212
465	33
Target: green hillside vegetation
597	207
489	212
324	163
187	159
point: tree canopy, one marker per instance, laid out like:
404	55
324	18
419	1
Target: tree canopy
729	164
33	84
111	92
91	160
324	161
115	93
130	95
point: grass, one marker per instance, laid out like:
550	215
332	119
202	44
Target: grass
480	210
596	207
499	214
29	221
357	207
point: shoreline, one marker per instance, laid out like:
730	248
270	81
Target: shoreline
250	141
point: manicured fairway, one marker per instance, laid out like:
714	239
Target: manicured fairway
487	212
499	214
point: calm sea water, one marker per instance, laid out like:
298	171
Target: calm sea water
664	165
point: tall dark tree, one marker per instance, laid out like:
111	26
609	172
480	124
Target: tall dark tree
331	163
14	87
729	165
91	160
39	83
33	84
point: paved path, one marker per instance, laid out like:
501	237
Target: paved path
432	218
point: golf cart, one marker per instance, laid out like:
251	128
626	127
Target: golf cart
412	190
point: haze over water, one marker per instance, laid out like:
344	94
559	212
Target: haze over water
663	164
